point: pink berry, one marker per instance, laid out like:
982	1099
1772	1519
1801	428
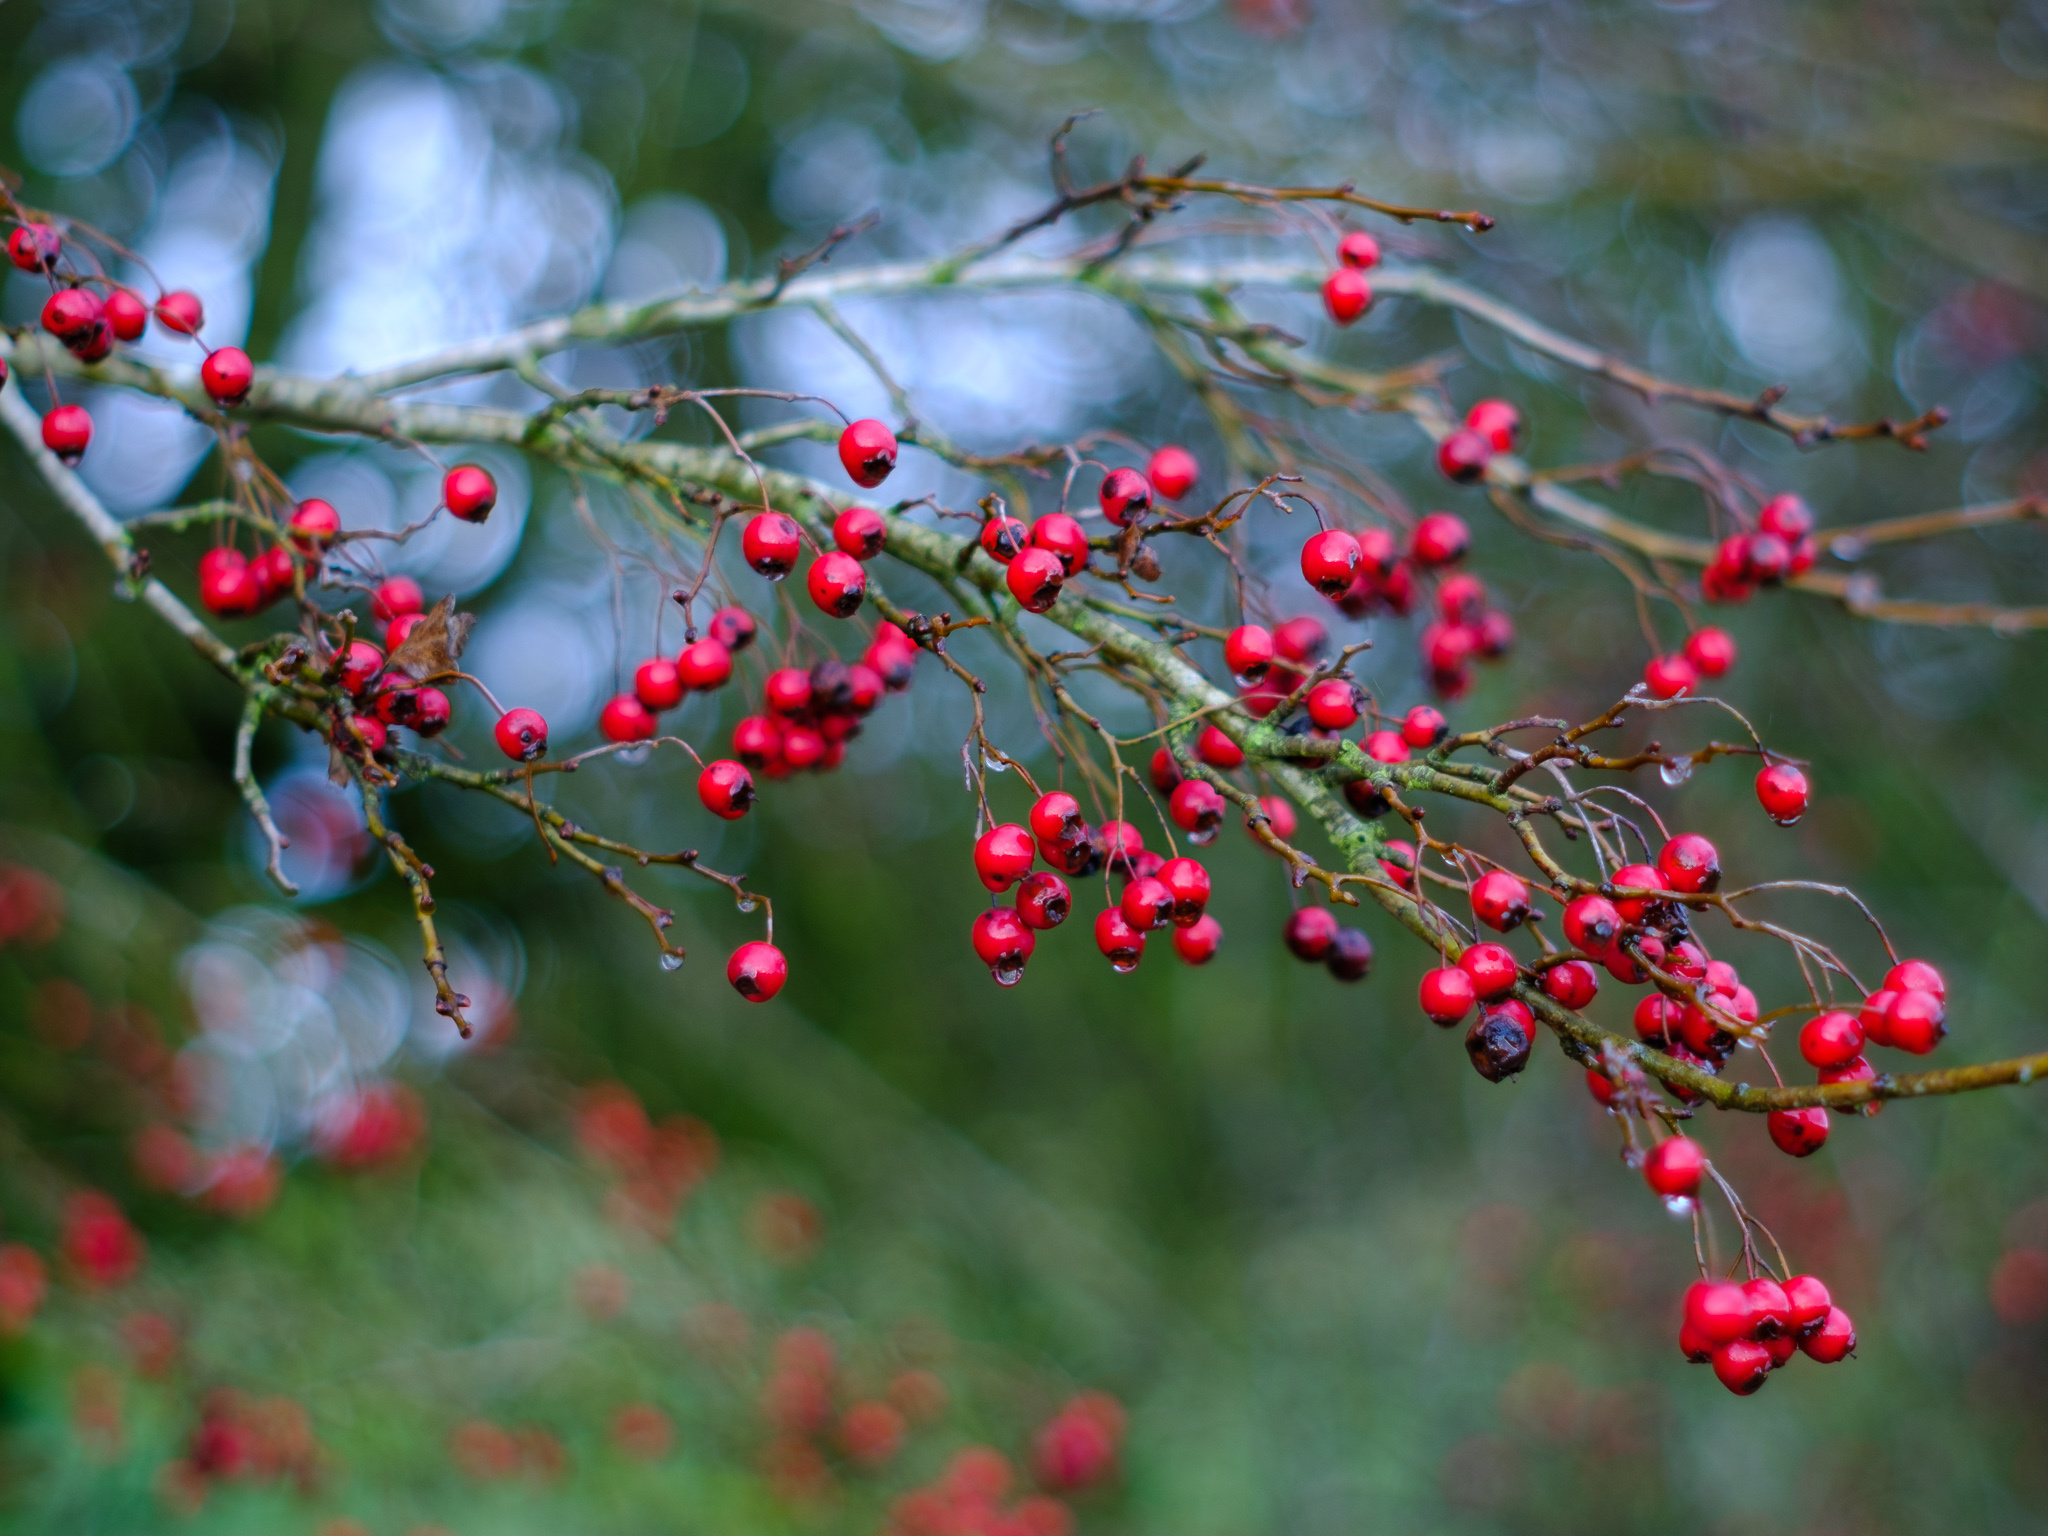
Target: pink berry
1787	517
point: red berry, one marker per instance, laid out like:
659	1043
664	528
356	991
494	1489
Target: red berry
1690	863
1591	923
1329	560
1447	647
734	628
1123	945
837	584
1280	818
892	661
227	374
127	314
1034	579
72	312
1386	747
1711	651
1669	677
522	734
625	718
1787	517
1055	814
1637	877
1915	976
1301	641
1658	1018
181	313
1064	537
1496	634
396	596
1309	933
1248	652
1166	773
1043	900
1831	1039
1447	995
868	450
1198	942
1004	538
1571	984
1674	1168
1346	294
1125	496
1492	968
1782	791
273	572
1148	904
230	588
1833	1340
1173	472
1767	558
757	971
1601	1086
757	740
66	432
1463	456
1398	863
770	544
1807	1303
1217	749
1196	808
1798	1132
34	247
1003	856
1459	598
1423	727
1858	1071
1350	956
1741	1366
1717	1310
469	492
1358	249
726	788
314	524
1498	422
1004	941
1333	704
704	665
859	532
1914	1022
1189	883
431	711
658	684
1500	900
369	730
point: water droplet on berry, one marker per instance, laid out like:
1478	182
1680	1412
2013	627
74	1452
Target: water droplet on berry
746	903
1676	772
670	961
1786	821
1678	1205
994	764
1124	967
634	755
1007	976
1205	836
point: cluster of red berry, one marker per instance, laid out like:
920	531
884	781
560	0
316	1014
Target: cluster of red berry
1347	292
1780	546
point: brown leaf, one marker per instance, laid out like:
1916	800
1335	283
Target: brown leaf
435	644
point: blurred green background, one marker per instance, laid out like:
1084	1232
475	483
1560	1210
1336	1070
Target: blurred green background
1339	1283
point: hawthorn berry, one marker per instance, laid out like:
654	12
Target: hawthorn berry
393	698
803	747
226	375
1787	517
229	588
1217	749
787	691
67	430
1035	578
1350	956
92	345
1717	1310
1915	1022
1500	900
868	450
1601	1086
1358	249
657	683
1673	1168
1166	774
1197	809
1858	1071
1798	1132
71	312
1658	1018
1329	560
1622	963
1054	815
1831	1340
1916	976
1571	984
1492	968
1346	294
1690	863
1670	677
625	718
431	712
1125	496
1831	1039
1248	652
770	544
1064	537
1004	941
469	491
1309	933
1333	704
704	665
1496	634
1447	647
34	247
1043	900
1741	1366
734	628
1498	422
1447	995
273	572
1782	791
892	660
1637	877
181	313
1173	472
395	597
1463	456
1301	642
1003	856
368	730
1398	863
314	525
837	584
1121	944
1004	538
1423	727
1500	1040
1807	1302
1386	747
126	314
1148	903
1198	942
1591	923
1279	814
1189	883
757	740
1460	598
522	734
757	971
1711	651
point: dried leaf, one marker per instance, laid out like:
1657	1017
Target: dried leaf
435	644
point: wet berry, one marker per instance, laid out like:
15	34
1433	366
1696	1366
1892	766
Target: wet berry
1447	995
757	971
522	734
1500	900
1498	422
1798	1132
1786	517
1423	727
181	313
1217	749
431	712
1121	944
770	544
657	683
1064	537
867	449
1309	933
1148	904
1197	944
1350	956
1591	923
1831	1039
625	718
1782	791
1173	472
1711	651
706	664
1043	900
1834	1339
66	431
71	312
726	788
1346	294
1670	677
1571	984
1055	814
1189	883
1358	249
1333	704
1196	808
859	532
1125	495
1638	877
1741	1366
1500	1040
1674	1167
837	584
1248	652
1035	578
1004	941
1003	855
1329	560
1492	968
1004	538
469	491
1690	863
1463	456
226	375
